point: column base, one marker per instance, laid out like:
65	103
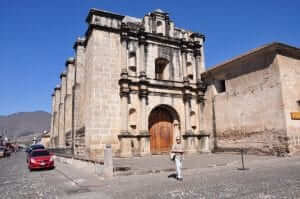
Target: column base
197	142
125	145
190	142
144	144
204	144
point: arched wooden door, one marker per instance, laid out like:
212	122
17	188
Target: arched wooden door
161	131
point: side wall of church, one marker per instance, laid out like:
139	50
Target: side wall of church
250	112
102	90
290	83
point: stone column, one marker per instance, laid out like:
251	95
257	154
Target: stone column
124	137
62	111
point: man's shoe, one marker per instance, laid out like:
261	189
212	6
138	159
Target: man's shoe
180	179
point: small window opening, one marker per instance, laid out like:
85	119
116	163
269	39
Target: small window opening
220	86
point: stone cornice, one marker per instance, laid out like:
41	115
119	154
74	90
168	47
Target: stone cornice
103	13
70	60
63	74
98	27
198	35
81	41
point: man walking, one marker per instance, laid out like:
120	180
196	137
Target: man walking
177	149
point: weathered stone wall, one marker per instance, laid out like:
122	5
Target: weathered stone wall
103	100
290	83
250	112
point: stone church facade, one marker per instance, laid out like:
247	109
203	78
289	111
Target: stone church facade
138	83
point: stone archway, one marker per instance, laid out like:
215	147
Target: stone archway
162	121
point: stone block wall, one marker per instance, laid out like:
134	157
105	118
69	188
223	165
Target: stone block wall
249	112
290	83
103	100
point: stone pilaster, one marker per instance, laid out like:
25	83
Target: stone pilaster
188	136
142	44
187	100
183	59
197	54
143	137
202	56
124	41
124	137
203	137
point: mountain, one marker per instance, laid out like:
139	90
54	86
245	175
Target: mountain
25	123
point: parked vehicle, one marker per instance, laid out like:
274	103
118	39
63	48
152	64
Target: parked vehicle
40	159
4	152
34	147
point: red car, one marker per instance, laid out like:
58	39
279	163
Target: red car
40	159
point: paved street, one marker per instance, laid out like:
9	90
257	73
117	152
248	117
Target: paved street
266	178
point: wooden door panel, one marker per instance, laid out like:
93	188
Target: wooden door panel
161	131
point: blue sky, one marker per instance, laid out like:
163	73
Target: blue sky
36	37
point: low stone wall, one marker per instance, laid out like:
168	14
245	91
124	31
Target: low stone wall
94	167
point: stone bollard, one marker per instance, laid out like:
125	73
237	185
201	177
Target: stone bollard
108	162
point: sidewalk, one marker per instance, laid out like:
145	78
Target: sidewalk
154	164
162	163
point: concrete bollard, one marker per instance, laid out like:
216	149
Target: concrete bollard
108	162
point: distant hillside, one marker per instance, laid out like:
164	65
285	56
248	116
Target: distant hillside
25	123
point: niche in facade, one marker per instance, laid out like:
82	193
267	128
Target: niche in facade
132	58
132	118
160	68
189	67
159	27
193	120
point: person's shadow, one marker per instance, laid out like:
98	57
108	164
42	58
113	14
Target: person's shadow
172	175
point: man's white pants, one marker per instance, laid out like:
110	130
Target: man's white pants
178	163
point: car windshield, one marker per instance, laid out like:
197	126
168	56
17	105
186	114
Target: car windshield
37	147
40	153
